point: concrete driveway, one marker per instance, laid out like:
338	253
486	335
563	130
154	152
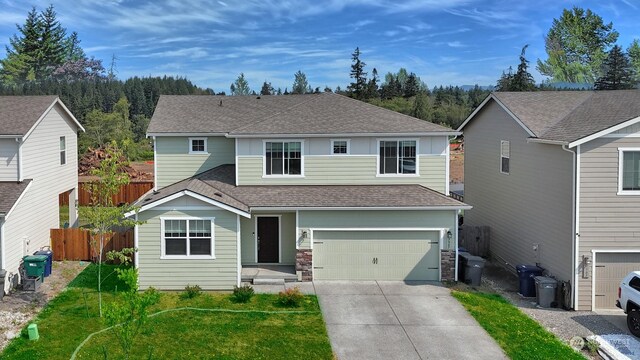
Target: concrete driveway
398	320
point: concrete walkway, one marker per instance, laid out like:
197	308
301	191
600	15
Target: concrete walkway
398	320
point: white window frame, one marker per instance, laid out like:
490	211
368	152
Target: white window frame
417	174
63	151
621	152
506	157
333	141
163	254
191	139
264	158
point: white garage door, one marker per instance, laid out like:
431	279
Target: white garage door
376	255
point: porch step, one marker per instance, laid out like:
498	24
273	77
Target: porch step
265	281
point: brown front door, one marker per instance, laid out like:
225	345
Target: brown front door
268	238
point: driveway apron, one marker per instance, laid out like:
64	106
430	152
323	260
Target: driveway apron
400	320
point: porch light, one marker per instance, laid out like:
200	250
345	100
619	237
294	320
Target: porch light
304	234
449	236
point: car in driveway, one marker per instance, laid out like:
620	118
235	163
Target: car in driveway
629	300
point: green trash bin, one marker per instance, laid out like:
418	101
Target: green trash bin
34	265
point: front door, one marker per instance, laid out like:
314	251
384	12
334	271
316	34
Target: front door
268	239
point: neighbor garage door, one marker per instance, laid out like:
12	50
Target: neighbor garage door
610	269
376	255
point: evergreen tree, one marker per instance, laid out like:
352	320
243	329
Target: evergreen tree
72	49
23	50
300	83
372	86
411	86
576	45
279	92
634	57
51	53
266	89
327	89
423	107
617	72
522	80
358	86
240	86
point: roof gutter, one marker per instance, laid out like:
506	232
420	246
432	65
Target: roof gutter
313	135
543	141
404	208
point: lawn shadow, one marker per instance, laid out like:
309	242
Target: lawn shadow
88	278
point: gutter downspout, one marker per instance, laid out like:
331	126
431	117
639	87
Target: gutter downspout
155	165
574	249
20	172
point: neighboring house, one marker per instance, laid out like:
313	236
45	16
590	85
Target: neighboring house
38	161
338	188
556	175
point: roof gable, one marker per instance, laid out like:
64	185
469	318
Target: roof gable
19	115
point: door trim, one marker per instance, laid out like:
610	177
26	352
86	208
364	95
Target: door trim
441	232
255	236
593	269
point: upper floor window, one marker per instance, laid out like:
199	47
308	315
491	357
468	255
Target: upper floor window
339	147
197	145
63	150
283	158
629	171
398	157
187	238
505	154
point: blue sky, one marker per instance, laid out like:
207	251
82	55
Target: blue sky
456	42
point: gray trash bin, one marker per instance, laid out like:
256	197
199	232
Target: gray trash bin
3	274
473	270
546	291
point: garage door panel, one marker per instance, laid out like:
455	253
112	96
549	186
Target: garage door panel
383	255
611	268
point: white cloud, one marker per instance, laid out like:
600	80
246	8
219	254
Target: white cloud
455	44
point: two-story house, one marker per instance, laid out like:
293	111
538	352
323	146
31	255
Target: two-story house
338	188
556	175
38	161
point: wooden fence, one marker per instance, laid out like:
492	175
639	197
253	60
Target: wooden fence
75	243
128	193
475	239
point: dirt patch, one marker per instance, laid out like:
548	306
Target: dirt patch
20	307
456	167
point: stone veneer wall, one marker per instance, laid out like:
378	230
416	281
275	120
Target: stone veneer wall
448	265
304	267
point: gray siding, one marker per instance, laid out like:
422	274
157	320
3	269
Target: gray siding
27	228
287	238
607	220
8	160
174	163
220	273
531	205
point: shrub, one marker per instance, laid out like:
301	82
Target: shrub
191	292
242	294
290	297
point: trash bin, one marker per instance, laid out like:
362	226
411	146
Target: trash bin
473	270
546	291
49	254
34	265
462	263
3	274
526	273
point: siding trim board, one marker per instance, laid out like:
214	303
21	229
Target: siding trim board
576	270
46	112
594	253
193	195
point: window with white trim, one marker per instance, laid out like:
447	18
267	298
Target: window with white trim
629	172
63	150
187	237
505	156
397	157
339	147
197	145
283	158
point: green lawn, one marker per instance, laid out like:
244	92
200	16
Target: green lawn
185	334
519	336
64	217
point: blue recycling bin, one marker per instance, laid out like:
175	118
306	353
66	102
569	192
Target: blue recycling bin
49	264
526	277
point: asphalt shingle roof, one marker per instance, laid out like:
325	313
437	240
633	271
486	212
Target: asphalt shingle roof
10	191
324	113
568	116
18	114
218	184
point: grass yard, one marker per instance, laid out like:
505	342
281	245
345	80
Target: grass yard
519	336
185	334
